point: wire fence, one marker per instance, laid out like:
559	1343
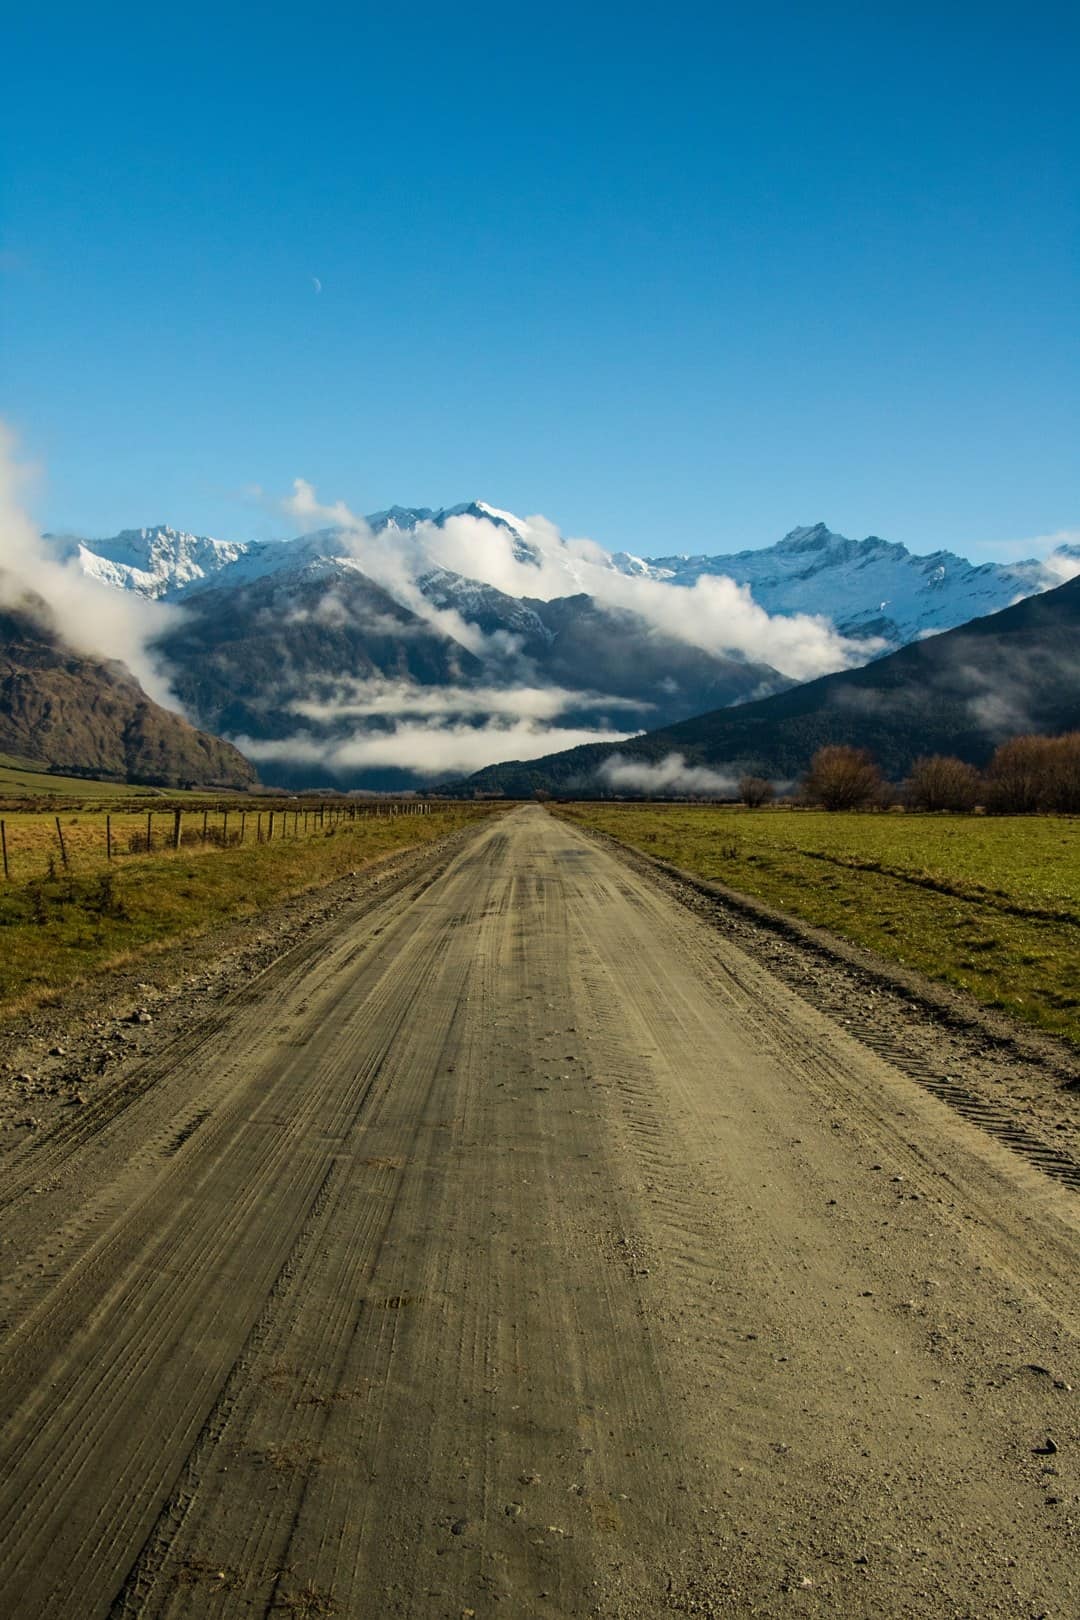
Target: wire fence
35	844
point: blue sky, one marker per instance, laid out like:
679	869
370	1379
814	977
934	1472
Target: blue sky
678	276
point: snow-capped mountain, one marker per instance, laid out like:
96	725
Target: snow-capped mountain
421	642
870	587
165	564
155	562
407	519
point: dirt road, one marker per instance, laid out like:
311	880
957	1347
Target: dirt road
518	1247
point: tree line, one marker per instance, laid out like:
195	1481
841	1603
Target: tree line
1027	775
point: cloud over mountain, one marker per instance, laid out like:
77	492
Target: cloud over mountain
86	614
414	643
529	557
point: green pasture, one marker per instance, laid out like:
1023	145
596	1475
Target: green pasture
24	781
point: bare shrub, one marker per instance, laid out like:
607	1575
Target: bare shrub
943	782
1029	774
754	791
843	778
1065	773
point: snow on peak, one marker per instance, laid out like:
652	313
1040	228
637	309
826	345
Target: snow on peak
869	587
156	561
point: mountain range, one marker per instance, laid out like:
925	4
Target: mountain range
418	643
867	588
874	587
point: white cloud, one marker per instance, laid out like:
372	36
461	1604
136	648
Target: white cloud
1039	546
668	776
1064	567
714	613
429	748
381	697
395	567
91	617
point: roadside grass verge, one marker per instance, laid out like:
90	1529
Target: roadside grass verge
57	930
990	905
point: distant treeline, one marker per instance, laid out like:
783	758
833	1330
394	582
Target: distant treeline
1026	775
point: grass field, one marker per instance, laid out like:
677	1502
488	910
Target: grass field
988	904
36	846
23	780
61	924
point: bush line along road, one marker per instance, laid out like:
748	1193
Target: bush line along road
517	1245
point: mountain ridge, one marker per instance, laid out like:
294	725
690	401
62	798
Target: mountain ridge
961	692
563	636
867	588
90	717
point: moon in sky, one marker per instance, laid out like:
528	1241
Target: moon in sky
316	283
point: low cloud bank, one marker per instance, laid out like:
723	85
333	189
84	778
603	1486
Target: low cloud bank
92	618
431	749
664	778
383	698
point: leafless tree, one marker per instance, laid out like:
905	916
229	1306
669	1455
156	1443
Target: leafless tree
1035	773
943	782
842	778
754	791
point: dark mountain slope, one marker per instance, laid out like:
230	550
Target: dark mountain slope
88	718
618	652
582	645
244	656
961	693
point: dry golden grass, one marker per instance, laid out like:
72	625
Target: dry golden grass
77	836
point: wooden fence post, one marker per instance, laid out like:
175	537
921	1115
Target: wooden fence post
225	829
63	849
178	832
258	829
204	816
108	837
149	830
243	825
3	846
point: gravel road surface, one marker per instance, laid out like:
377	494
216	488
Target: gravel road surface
516	1245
